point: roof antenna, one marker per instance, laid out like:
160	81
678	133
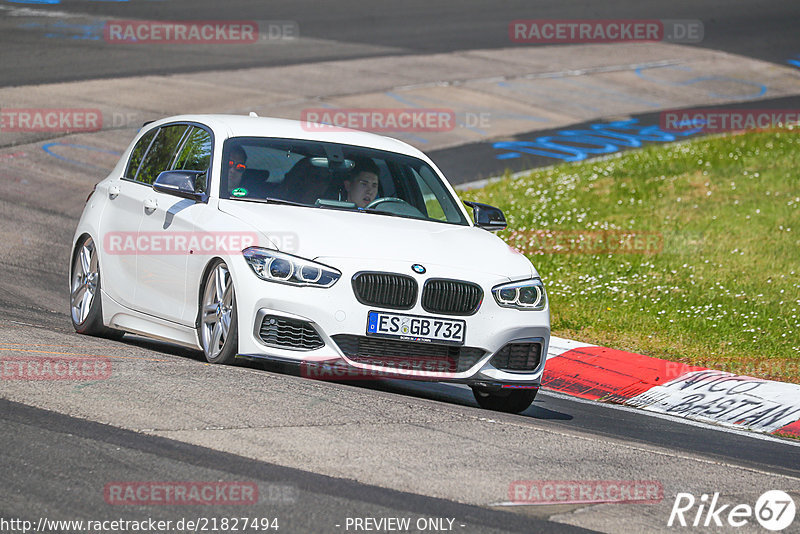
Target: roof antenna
253	114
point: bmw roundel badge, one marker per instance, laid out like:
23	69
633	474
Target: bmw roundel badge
417	268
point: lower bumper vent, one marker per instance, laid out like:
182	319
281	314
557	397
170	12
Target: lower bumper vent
518	357
408	355
287	333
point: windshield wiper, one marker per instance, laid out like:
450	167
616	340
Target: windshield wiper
272	200
335	204
379	212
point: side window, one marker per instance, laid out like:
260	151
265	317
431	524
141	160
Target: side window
195	155
432	206
196	152
138	153
432	190
162	149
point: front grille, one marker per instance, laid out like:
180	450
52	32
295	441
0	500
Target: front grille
386	290
518	357
289	333
451	297
408	355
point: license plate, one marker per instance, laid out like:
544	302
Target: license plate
416	328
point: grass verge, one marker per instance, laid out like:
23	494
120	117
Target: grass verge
689	252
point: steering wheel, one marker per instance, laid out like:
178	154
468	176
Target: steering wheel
379	201
401	207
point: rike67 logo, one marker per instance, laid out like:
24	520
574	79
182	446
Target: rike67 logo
774	510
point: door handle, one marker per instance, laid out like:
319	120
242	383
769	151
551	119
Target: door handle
150	205
113	192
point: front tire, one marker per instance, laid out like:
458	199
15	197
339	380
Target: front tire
218	323
513	401
86	307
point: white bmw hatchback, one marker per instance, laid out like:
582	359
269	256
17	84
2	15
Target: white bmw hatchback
343	251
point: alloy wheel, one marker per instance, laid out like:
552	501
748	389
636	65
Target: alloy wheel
85	275
217	311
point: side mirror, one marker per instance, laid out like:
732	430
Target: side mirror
185	184
487	217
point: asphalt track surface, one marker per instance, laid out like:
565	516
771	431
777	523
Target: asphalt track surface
763	30
301	501
53	463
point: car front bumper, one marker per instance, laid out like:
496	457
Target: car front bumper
335	312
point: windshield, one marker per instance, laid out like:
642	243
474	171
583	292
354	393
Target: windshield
332	175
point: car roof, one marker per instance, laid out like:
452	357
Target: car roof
249	126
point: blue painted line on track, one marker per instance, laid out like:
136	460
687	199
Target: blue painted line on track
47	148
599	138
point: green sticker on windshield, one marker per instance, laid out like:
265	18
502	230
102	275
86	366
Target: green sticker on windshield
239	192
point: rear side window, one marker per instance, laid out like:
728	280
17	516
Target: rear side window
195	154
160	155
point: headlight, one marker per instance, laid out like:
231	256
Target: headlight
525	295
287	269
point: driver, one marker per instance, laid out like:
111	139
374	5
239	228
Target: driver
362	186
236	167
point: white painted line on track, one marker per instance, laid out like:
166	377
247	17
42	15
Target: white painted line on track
33	12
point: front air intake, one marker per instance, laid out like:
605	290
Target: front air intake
408	355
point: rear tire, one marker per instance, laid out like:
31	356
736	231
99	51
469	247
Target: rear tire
218	322
85	302
513	401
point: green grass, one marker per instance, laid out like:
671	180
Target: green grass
723	292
